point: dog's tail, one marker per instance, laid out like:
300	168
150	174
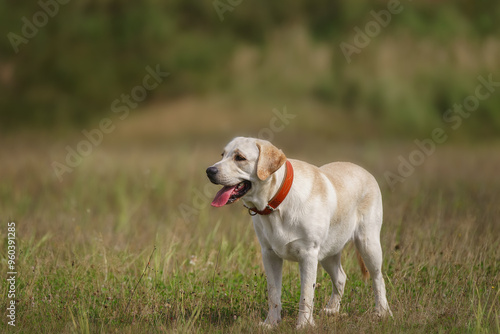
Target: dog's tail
364	270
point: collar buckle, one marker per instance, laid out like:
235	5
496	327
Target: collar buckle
269	207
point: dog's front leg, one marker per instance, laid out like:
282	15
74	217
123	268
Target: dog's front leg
308	270
273	266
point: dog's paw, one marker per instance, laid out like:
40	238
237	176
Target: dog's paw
306	324
330	311
268	324
383	313
333	312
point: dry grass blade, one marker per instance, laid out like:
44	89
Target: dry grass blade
140	278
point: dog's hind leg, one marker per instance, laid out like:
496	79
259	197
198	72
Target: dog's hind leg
367	241
333	267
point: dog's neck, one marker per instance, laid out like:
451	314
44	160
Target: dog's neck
266	190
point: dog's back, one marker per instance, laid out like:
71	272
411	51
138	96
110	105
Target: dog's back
357	190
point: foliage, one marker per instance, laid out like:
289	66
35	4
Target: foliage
91	52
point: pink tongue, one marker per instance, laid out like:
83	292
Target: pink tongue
223	196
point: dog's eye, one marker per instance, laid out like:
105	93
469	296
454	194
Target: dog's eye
239	157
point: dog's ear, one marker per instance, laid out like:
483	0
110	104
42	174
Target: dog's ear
270	159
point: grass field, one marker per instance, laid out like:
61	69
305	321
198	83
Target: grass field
128	242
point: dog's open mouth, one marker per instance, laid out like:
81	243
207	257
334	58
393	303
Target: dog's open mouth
230	194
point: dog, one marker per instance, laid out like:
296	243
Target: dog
305	214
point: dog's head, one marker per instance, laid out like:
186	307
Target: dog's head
246	163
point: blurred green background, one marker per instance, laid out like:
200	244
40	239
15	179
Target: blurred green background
256	54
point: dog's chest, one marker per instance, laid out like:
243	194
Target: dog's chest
286	240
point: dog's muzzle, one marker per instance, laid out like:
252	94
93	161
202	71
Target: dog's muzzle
211	173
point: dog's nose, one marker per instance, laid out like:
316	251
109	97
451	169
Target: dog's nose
211	171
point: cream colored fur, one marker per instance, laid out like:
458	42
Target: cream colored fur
326	208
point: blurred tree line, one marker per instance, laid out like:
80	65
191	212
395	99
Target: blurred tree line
74	60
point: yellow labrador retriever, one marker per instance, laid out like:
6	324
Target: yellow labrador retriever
305	214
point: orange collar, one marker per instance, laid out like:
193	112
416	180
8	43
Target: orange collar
280	195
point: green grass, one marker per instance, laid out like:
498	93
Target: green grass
84	244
